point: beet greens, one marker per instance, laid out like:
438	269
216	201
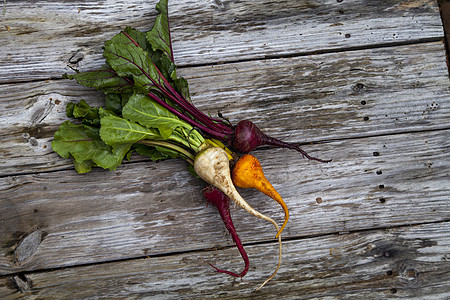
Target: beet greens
144	63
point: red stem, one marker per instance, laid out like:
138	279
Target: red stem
212	133
219	125
212	127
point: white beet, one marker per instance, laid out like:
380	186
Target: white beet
212	165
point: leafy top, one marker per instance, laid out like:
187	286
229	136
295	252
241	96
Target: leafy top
141	87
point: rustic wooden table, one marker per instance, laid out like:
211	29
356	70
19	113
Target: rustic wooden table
364	82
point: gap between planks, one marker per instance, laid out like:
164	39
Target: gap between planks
409	262
267	57
212	249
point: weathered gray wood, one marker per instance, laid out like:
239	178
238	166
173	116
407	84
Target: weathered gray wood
313	98
380	94
407	262
155	208
43	37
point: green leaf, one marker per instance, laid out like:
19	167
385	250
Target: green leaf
115	130
168	152
160	41
125	98
105	79
137	36
113	102
82	110
105	112
164	64
154	153
83	167
159	35
83	143
130	60
181	86
148	113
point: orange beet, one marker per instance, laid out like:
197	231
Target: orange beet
248	173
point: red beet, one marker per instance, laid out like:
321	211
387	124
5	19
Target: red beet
247	136
222	202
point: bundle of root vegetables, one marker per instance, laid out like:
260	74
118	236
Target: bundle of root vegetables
148	110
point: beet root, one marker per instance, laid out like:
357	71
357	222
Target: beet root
247	136
222	203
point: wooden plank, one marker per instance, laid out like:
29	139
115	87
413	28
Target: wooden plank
256	29
303	99
60	219
407	262
44	37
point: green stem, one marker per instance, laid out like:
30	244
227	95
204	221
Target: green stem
189	138
199	137
190	157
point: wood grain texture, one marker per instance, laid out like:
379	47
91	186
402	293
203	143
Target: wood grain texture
305	99
156	208
364	82
44	38
407	262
